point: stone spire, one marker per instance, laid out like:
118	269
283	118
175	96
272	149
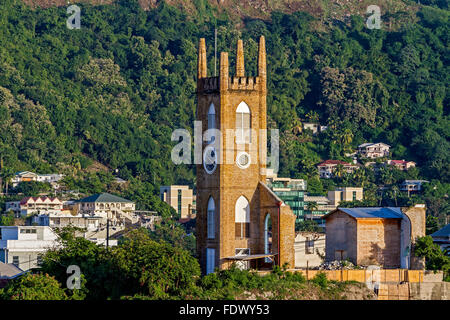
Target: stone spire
202	71
240	69
262	67
224	72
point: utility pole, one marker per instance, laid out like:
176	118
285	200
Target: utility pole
215	52
107	233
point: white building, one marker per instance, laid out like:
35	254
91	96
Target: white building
24	176
30	205
309	249
24	246
373	150
118	210
412	185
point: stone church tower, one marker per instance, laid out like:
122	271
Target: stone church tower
239	219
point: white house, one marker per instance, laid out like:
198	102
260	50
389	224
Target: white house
30	205
118	210
412	185
24	246
23	176
328	167
373	150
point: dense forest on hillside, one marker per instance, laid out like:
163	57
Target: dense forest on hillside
114	91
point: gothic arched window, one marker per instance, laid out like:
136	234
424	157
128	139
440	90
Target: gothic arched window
212	120
243	134
211	218
242	218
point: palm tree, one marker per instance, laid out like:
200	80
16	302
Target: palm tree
6	175
312	206
339	171
360	176
395	191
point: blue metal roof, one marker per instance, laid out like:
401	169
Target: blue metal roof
374	212
443	233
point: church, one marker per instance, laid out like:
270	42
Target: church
239	219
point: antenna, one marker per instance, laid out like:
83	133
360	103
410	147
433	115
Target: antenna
215	52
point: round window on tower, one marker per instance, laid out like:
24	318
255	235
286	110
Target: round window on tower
210	159
243	160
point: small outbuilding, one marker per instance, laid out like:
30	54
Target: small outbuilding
382	236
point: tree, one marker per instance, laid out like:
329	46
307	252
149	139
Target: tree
33	287
7	219
7	174
435	258
158	270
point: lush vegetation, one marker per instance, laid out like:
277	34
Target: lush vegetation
141	268
110	95
435	258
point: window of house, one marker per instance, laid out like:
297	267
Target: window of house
354	195
243	134
16	260
211	218
242	218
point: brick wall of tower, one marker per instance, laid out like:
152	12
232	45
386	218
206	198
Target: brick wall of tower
229	182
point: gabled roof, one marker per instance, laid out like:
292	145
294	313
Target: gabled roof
371	212
443	233
39	200
104	197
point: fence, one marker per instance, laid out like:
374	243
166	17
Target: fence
392	276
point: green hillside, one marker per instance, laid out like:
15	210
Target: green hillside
114	91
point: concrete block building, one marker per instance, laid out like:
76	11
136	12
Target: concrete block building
239	219
180	198
375	236
23	246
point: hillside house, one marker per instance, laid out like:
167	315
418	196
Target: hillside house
401	164
373	150
412	185
32	205
327	168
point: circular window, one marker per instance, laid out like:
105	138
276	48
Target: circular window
243	160
210	159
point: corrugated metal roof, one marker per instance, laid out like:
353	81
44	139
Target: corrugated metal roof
374	212
443	233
